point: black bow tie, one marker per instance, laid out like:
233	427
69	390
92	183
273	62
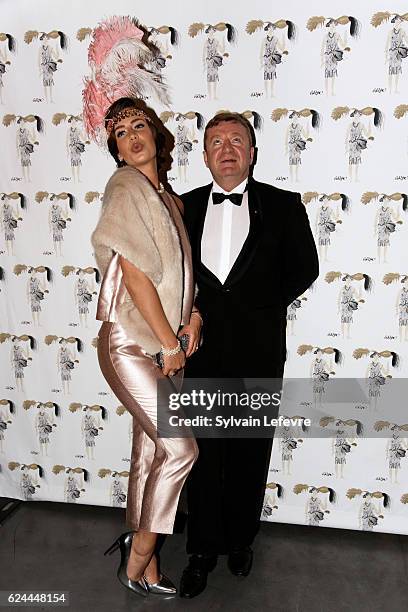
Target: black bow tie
236	198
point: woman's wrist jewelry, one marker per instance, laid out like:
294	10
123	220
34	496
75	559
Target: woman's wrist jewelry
195	312
170	352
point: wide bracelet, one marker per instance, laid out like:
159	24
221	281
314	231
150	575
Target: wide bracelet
196	312
171	352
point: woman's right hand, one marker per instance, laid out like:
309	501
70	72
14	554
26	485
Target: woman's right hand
173	363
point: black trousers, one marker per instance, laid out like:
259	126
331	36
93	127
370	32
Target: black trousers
225	491
226	486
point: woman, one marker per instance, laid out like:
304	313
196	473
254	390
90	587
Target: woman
142	250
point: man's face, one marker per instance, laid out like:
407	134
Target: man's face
228	153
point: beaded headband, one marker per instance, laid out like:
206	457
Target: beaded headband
110	124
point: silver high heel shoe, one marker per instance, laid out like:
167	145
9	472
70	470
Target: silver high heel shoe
163	587
124	542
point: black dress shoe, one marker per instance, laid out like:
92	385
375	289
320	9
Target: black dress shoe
194	578
240	561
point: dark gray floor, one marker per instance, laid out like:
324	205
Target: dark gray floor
54	546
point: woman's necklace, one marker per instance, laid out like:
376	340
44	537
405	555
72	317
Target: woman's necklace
161	188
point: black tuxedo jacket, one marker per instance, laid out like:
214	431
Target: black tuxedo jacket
244	332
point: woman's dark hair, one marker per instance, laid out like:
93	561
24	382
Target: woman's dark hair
154	125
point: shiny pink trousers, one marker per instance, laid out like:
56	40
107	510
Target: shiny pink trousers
158	466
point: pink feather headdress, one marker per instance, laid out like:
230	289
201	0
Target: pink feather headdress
121	66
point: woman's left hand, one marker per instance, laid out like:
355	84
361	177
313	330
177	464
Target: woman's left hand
193	329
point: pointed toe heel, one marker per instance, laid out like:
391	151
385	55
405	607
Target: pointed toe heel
124	543
163	587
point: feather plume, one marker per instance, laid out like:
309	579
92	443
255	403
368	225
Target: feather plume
30	35
91	196
380	425
314	22
339	112
332	276
299	488
360	352
378	18
74	406
19	268
109	33
66	270
57	469
303	349
195	28
50	339
309	196
390	277
253	25
368	196
352	493
166	116
400	111
82	33
104	472
8	119
324	421
41	195
58	117
278	113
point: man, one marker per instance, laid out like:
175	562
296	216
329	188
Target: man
253	256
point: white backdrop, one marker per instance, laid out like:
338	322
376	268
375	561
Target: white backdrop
47	412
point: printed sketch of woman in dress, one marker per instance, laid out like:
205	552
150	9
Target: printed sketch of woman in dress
26	138
349	296
272	49
58	215
84	289
370	509
358	134
91	425
288	442
48	56
159	37
120	410
333	45
296	135
10	216
117	489
66	358
7	45
184	136
75	141
401	303
326	218
44	421
376	373
316	504
396	47
321	368
6	410
28	479
213	50
273	491
37	287
386	219
291	314
342	443
396	448
20	356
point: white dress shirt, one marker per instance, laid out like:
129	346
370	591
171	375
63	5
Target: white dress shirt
226	227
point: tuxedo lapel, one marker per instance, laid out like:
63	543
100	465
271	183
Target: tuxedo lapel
249	247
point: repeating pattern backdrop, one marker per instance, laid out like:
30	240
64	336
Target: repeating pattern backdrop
327	93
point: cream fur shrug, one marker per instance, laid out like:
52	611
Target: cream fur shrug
136	224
